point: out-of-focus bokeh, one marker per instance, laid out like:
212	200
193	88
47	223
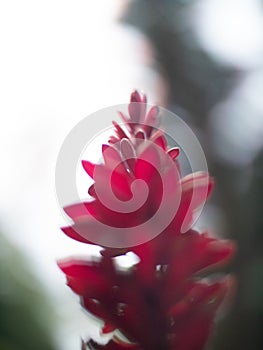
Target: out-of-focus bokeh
62	60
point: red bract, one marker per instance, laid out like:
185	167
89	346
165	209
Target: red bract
161	302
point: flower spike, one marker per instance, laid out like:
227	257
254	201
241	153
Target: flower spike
163	301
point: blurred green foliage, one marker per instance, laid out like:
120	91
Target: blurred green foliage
25	316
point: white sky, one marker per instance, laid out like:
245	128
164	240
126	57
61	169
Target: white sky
60	61
231	30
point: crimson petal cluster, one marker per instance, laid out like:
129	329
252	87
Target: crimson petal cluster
163	301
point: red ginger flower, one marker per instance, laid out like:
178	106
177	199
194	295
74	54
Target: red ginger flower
161	302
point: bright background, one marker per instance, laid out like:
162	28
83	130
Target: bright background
62	60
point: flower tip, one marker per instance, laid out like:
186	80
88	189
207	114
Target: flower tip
104	147
62	264
174	152
152	118
88	167
137	97
108	328
223	249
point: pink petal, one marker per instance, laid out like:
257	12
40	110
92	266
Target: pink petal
137	108
77	210
88	167
128	153
108	328
159	139
70	232
111	156
174	152
152	118
120	132
84	278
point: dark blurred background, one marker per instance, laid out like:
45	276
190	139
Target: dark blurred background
214	94
201	59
